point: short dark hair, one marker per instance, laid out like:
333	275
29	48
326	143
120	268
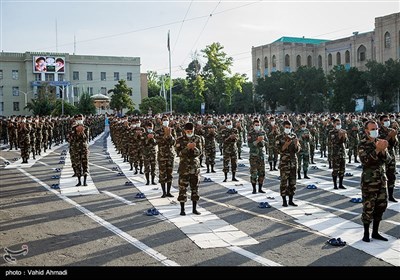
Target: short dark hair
287	123
188	126
368	122
383	117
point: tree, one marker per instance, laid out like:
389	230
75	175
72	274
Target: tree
86	105
69	109
121	98
41	107
156	103
153	84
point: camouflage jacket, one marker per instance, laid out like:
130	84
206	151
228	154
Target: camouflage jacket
256	148
79	142
166	144
290	153
304	137
383	134
189	162
373	164
337	144
229	137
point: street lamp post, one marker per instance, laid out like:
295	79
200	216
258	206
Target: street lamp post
26	97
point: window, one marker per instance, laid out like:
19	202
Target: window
266	62
103	76
1	74
103	90
298	61
338	58
347	57
75	75
16	106
90	90
15	91
15	74
309	61
273	61
76	91
129	76
287	60
49	77
330	59
387	40
258	64
361	53
61	77
116	76
89	76
319	61
37	77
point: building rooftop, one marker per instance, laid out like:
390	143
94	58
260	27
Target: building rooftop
301	40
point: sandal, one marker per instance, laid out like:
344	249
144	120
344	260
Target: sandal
128	183
140	195
232	191
264	205
356	200
311	187
336	242
152	212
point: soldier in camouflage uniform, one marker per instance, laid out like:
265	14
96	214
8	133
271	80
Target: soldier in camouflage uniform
240	128
390	135
374	155
24	139
229	137
149	154
304	136
188	148
32	135
137	147
312	127
354	138
12	129
337	142
272	130
322	129
165	138
38	135
199	130
288	146
209	141
79	149
257	141
329	127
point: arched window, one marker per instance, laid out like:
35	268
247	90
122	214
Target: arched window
387	40
265	62
319	61
298	61
330	59
309	61
347	57
287	60
258	64
361	53
274	61
338	59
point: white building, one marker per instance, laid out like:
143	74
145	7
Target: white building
21	76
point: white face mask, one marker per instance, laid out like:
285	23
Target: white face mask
189	135
303	128
373	133
210	122
23	120
339	126
354	120
257	128
198	122
273	123
229	126
288	130
149	130
79	121
138	124
133	125
387	123
309	123
165	123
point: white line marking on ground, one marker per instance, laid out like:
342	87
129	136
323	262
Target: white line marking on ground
138	244
253	256
117	197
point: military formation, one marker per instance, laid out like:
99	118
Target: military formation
288	142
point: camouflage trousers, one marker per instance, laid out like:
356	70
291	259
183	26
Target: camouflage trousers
79	162
272	154
165	169
306	161
13	141
288	172
312	150
353	149
137	158
232	158
185	180
374	201
150	164
24	146
322	148
257	169
339	166
210	154
391	171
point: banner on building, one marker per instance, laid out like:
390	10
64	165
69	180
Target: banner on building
48	64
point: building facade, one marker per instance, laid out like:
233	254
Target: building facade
68	76
287	54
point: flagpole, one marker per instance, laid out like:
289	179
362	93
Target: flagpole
170	76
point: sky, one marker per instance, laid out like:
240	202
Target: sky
140	28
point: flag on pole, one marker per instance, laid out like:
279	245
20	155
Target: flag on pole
168	42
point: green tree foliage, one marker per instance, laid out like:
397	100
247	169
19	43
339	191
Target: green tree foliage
69	109
121	97
156	103
86	105
153	84
41	107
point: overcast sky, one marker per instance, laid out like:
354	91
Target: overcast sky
140	28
